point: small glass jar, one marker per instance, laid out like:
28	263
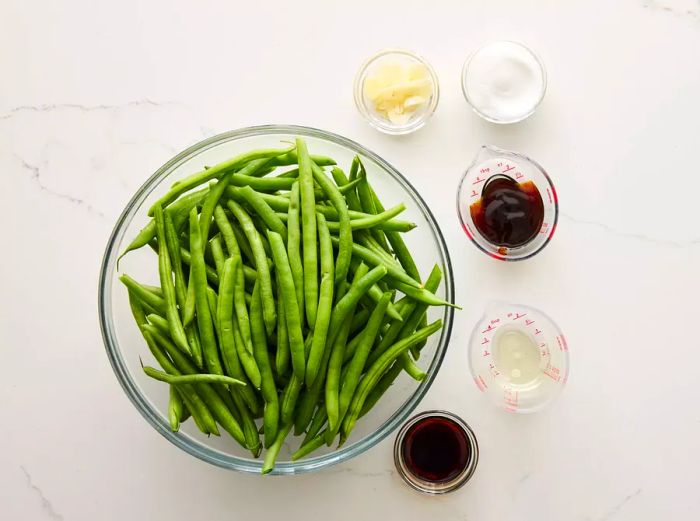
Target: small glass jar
365	106
463	469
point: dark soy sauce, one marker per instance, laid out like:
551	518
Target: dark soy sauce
509	213
436	449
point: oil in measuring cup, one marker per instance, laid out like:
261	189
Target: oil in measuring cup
518	357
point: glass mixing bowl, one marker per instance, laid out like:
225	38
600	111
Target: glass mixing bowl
125	345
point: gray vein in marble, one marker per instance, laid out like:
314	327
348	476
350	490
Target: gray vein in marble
49	107
36	176
46	505
632	235
615	509
673	7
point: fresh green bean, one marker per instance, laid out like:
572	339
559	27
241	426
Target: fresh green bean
335	362
210	204
161	323
349	301
211	274
294	246
246	358
216	171
372	258
397	243
227	232
176	409
381	387
289	397
419	294
392	333
319	420
345	232
204	316
357	364
210	396
359	320
368	206
267	386
308	218
152	300
282	353
380	221
217	253
267	214
325	303
179	212
274	449
189	309
341	180
261	264
190	378
196	404
308	447
291	158
291	308
375	372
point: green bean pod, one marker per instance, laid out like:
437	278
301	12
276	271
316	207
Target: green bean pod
325	304
274	449
345	231
176	409
294	245
267	214
375	372
267	386
204	317
291	308
190	378
308	217
261	264
186	184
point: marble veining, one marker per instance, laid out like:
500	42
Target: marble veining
46	504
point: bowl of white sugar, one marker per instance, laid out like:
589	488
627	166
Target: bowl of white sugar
504	81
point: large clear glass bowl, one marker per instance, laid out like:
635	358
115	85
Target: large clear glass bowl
125	346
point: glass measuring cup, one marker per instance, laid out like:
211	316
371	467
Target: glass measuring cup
518	357
492	161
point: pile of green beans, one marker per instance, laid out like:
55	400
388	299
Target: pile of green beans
287	301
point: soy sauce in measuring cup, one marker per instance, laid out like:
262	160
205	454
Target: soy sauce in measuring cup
509	213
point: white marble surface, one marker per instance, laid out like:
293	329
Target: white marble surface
96	95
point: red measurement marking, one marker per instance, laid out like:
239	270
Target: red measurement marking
490	328
481	379
544	228
473	194
553	373
562	343
480	384
543	344
467	231
529	322
510	409
537	331
484	341
509	315
511	397
485	170
495	320
518	175
499	164
518	315
508	168
486	353
549	195
478	180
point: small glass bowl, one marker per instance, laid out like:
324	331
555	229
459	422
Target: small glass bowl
490	117
493	160
419	118
430	487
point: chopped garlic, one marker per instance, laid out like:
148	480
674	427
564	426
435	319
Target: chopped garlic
398	90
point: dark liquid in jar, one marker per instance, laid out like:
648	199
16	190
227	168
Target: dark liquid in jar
436	449
509	213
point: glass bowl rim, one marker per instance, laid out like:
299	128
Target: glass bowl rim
377	123
152	415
